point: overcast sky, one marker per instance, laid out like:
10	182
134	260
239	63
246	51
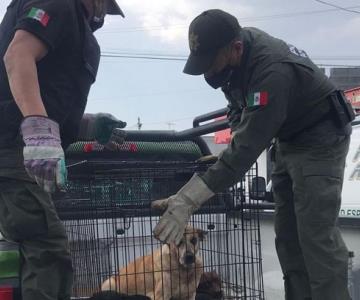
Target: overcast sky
160	94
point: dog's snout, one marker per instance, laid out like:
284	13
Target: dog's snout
189	258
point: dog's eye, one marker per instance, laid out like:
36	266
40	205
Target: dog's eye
193	240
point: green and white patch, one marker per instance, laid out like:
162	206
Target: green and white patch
39	15
257	99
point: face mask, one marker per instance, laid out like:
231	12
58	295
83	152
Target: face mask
97	20
220	79
96	23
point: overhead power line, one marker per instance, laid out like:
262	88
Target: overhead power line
336	57
168	123
338	66
167	56
184	59
163	57
245	19
143	57
338	7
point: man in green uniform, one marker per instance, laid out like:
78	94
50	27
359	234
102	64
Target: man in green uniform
275	91
48	60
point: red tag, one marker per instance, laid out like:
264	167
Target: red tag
87	148
6	293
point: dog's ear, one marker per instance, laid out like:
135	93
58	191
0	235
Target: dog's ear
202	234
161	204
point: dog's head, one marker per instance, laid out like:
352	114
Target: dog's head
189	246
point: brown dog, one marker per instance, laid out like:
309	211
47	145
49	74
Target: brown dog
169	272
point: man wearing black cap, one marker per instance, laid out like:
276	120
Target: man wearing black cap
275	91
49	60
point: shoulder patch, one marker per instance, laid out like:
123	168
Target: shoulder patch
257	99
296	51
39	15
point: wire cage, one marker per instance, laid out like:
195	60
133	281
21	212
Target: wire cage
109	221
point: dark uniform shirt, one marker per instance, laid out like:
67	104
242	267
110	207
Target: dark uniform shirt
276	92
65	74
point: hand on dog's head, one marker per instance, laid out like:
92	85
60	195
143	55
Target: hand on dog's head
111	295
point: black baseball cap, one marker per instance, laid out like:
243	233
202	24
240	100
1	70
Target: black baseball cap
112	8
208	33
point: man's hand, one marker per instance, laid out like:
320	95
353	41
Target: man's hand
179	209
100	127
43	155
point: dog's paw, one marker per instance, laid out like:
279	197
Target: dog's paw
161	204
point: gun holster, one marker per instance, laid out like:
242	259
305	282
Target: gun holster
341	109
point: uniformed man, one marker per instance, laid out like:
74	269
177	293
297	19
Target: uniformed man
275	91
49	59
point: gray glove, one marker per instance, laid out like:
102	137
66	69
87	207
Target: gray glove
100	127
43	155
180	207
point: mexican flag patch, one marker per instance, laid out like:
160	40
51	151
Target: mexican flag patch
39	15
257	99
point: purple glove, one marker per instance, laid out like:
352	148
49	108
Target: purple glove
44	158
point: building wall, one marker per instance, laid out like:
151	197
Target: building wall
345	78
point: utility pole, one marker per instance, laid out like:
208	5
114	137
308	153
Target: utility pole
139	124
170	124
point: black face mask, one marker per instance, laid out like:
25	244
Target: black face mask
220	79
96	23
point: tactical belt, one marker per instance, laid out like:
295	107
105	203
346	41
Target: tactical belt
339	112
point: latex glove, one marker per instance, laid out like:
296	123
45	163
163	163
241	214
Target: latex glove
100	127
44	158
179	209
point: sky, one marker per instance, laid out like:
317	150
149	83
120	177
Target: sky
132	84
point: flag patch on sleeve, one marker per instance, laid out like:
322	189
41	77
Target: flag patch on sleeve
39	15
257	99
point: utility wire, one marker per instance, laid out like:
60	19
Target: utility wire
338	66
338	7
165	122
154	55
142	57
152	94
259	18
345	57
166	58
170	121
132	52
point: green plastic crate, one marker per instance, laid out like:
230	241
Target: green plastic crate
9	263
